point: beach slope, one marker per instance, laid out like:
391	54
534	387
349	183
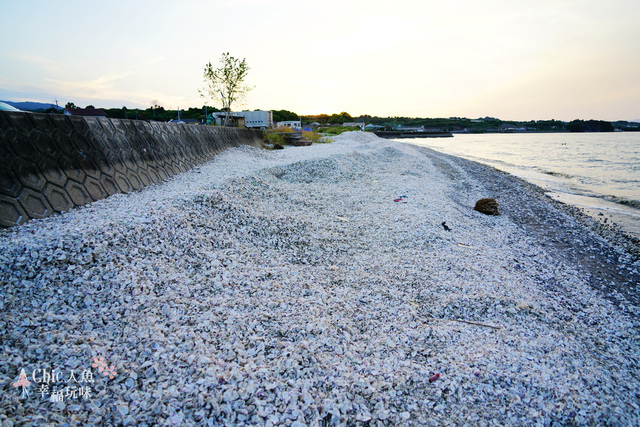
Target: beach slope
338	284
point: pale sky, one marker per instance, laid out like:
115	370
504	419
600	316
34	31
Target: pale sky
511	59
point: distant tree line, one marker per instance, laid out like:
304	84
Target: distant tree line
284	116
589	126
480	125
326	119
486	124
159	113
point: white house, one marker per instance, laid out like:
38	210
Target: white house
250	119
293	124
217	119
354	125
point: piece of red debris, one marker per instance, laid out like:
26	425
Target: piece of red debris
434	378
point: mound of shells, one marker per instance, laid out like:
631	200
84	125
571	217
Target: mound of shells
307	286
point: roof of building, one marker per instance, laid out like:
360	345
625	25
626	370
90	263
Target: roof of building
85	112
7	107
184	121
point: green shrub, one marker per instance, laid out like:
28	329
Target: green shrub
270	137
312	136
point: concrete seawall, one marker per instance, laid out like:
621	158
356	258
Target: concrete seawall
51	163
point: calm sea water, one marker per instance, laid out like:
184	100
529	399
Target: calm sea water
599	172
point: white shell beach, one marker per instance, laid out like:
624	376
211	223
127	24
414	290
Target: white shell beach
318	286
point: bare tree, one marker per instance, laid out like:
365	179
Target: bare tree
225	84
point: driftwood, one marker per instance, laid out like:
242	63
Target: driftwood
473	323
484	325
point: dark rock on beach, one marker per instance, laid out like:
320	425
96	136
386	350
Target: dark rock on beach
487	206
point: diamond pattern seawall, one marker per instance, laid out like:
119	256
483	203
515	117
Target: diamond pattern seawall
50	163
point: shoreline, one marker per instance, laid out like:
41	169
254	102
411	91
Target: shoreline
318	285
625	219
603	203
567	229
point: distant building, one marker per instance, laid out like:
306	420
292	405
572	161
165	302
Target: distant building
354	125
258	119
506	127
250	119
293	124
218	118
410	128
86	112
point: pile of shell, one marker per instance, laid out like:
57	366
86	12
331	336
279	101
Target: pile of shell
287	288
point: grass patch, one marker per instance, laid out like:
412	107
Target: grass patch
283	129
337	130
314	137
271	137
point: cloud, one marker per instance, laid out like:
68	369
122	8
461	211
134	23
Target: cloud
102	85
531	58
44	63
